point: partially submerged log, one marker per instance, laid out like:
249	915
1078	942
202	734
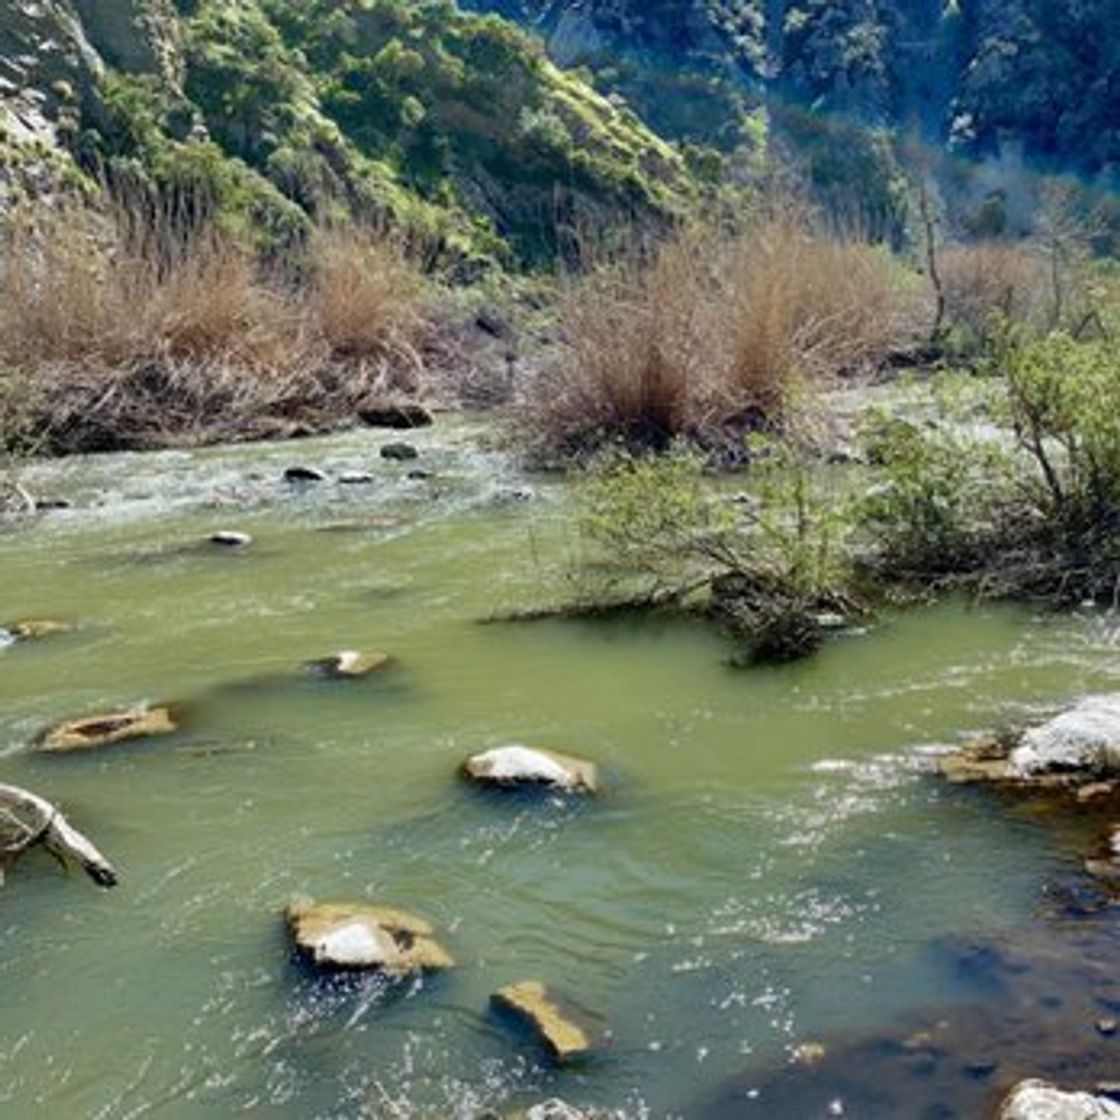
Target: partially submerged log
28	820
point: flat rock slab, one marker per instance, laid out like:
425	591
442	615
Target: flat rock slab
350	664
517	765
532	1004
360	937
32	629
1036	1100
112	727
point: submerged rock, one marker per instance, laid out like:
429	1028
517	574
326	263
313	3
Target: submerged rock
350	663
529	766
399	452
230	538
985	760
360	937
534	1005
1085	739
1036	1100
32	629
113	727
304	474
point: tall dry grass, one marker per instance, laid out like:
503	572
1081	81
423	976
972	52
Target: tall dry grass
987	282
134	341
709	333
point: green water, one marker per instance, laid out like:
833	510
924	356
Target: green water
771	861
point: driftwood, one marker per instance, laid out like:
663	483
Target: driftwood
27	820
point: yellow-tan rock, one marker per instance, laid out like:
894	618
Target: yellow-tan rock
535	1006
350	664
519	765
112	727
360	937
32	629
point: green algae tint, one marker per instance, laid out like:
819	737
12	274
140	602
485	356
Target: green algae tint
770	863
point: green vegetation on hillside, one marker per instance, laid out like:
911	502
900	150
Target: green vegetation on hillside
278	114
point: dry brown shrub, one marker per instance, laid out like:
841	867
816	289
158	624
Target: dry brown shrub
993	281
708	334
364	296
140	341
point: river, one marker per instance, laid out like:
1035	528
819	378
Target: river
772	861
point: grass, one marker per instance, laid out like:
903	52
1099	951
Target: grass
707	335
122	337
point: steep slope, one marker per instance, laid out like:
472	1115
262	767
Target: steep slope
842	84
454	126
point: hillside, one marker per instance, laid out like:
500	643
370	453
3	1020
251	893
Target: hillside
456	127
839	84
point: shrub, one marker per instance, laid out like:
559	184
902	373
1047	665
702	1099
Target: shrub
705	336
1031	507
132	334
932	511
992	282
765	570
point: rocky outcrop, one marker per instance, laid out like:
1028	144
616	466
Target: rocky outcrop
1036	1100
108	729
554	1025
357	936
518	765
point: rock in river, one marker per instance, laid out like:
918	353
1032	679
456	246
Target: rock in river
113	727
32	629
528	766
1085	738
399	452
304	474
557	1109
1075	749
1035	1100
367	938
230	538
531	1003
350	663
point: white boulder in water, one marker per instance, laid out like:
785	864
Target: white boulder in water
1085	738
1035	1100
358	936
519	765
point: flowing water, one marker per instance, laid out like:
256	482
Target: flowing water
771	862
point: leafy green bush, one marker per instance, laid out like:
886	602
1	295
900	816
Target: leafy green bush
1028	504
766	567
932	510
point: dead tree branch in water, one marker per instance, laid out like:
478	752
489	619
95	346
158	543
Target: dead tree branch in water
28	820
